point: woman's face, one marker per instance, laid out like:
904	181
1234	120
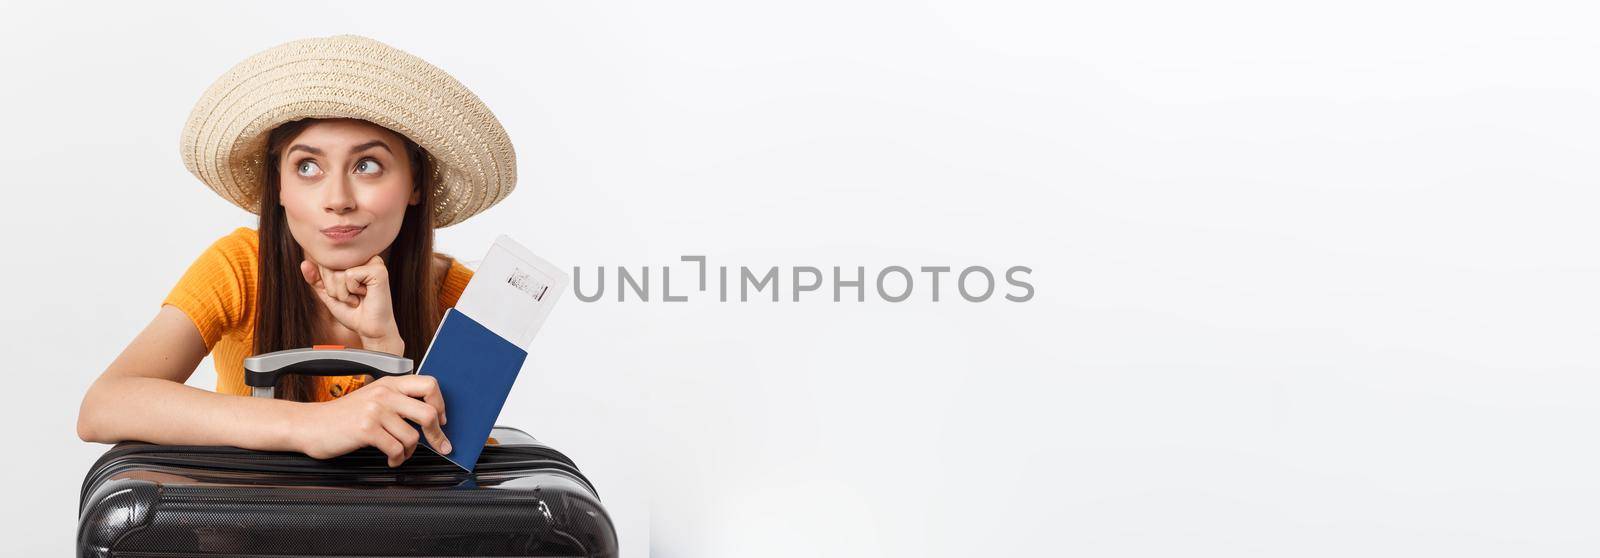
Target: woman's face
345	185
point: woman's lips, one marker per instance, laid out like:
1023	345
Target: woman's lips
341	234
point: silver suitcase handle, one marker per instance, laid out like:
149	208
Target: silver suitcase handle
261	372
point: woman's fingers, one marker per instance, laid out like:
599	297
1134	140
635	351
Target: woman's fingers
314	274
355	282
341	311
424	415
309	270
322	280
385	442
425	387
335	285
400	430
348	285
372	273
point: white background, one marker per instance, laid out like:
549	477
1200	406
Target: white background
1311	280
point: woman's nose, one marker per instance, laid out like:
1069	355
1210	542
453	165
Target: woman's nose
337	198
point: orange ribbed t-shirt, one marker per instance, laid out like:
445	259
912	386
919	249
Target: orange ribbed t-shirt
218	292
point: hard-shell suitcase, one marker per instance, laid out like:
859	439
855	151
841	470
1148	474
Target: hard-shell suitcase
523	499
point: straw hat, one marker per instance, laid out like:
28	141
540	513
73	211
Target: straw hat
348	76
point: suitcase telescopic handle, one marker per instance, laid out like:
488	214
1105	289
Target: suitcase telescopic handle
261	372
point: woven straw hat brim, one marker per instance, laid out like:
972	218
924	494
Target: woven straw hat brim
347	76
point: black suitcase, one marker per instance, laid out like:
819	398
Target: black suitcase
523	499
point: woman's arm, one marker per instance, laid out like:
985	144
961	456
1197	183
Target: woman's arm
142	396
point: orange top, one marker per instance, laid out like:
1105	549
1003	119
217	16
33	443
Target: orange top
218	293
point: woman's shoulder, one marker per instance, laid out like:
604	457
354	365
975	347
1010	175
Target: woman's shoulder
238	247
244	233
242	238
229	263
239	252
217	290
235	251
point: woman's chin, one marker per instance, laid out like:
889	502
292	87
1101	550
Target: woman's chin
340	258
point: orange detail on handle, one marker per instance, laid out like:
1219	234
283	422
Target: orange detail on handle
321	347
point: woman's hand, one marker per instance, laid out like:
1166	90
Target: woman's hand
359	299
376	416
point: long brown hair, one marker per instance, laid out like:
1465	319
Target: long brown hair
286	315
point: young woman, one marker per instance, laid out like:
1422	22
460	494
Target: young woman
351	152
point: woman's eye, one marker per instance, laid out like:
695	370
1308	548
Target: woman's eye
307	168
367	166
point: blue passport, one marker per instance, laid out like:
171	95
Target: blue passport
475	368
